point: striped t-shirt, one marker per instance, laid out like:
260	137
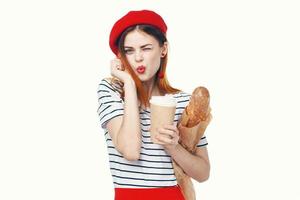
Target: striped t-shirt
154	168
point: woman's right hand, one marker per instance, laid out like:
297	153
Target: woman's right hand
118	71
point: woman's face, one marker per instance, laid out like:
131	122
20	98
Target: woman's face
143	54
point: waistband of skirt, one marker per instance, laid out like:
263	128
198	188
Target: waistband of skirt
170	192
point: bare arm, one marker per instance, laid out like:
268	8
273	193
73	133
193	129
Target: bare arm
196	166
125	130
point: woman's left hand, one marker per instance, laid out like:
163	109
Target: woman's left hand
168	136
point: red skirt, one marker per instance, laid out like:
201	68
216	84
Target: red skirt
164	193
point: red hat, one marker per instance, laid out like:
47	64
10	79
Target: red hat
134	18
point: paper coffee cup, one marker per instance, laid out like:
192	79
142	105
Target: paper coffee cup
162	110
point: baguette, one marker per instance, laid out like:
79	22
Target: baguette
192	125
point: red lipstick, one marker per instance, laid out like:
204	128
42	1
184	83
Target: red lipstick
141	69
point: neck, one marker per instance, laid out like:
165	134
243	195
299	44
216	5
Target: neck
151	87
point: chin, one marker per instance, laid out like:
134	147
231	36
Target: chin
144	77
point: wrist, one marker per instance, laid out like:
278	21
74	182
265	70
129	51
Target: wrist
128	80
172	149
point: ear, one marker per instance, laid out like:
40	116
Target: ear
164	49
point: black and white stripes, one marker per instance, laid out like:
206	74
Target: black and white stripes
154	168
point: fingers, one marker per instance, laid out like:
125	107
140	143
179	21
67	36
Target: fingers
171	127
169	130
118	71
164	140
117	64
169	134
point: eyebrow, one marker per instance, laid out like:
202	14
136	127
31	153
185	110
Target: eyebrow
141	46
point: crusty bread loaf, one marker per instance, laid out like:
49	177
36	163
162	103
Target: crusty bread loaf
198	107
194	120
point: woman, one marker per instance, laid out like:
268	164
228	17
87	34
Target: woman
140	168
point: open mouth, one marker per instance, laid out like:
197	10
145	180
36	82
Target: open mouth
141	69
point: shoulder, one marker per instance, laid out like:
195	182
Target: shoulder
182	98
105	84
182	95
110	85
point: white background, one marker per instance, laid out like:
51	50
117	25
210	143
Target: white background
54	53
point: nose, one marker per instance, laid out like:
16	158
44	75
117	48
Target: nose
138	56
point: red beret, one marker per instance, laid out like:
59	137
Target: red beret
134	18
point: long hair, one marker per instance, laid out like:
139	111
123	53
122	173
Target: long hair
162	83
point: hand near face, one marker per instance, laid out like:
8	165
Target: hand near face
117	70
